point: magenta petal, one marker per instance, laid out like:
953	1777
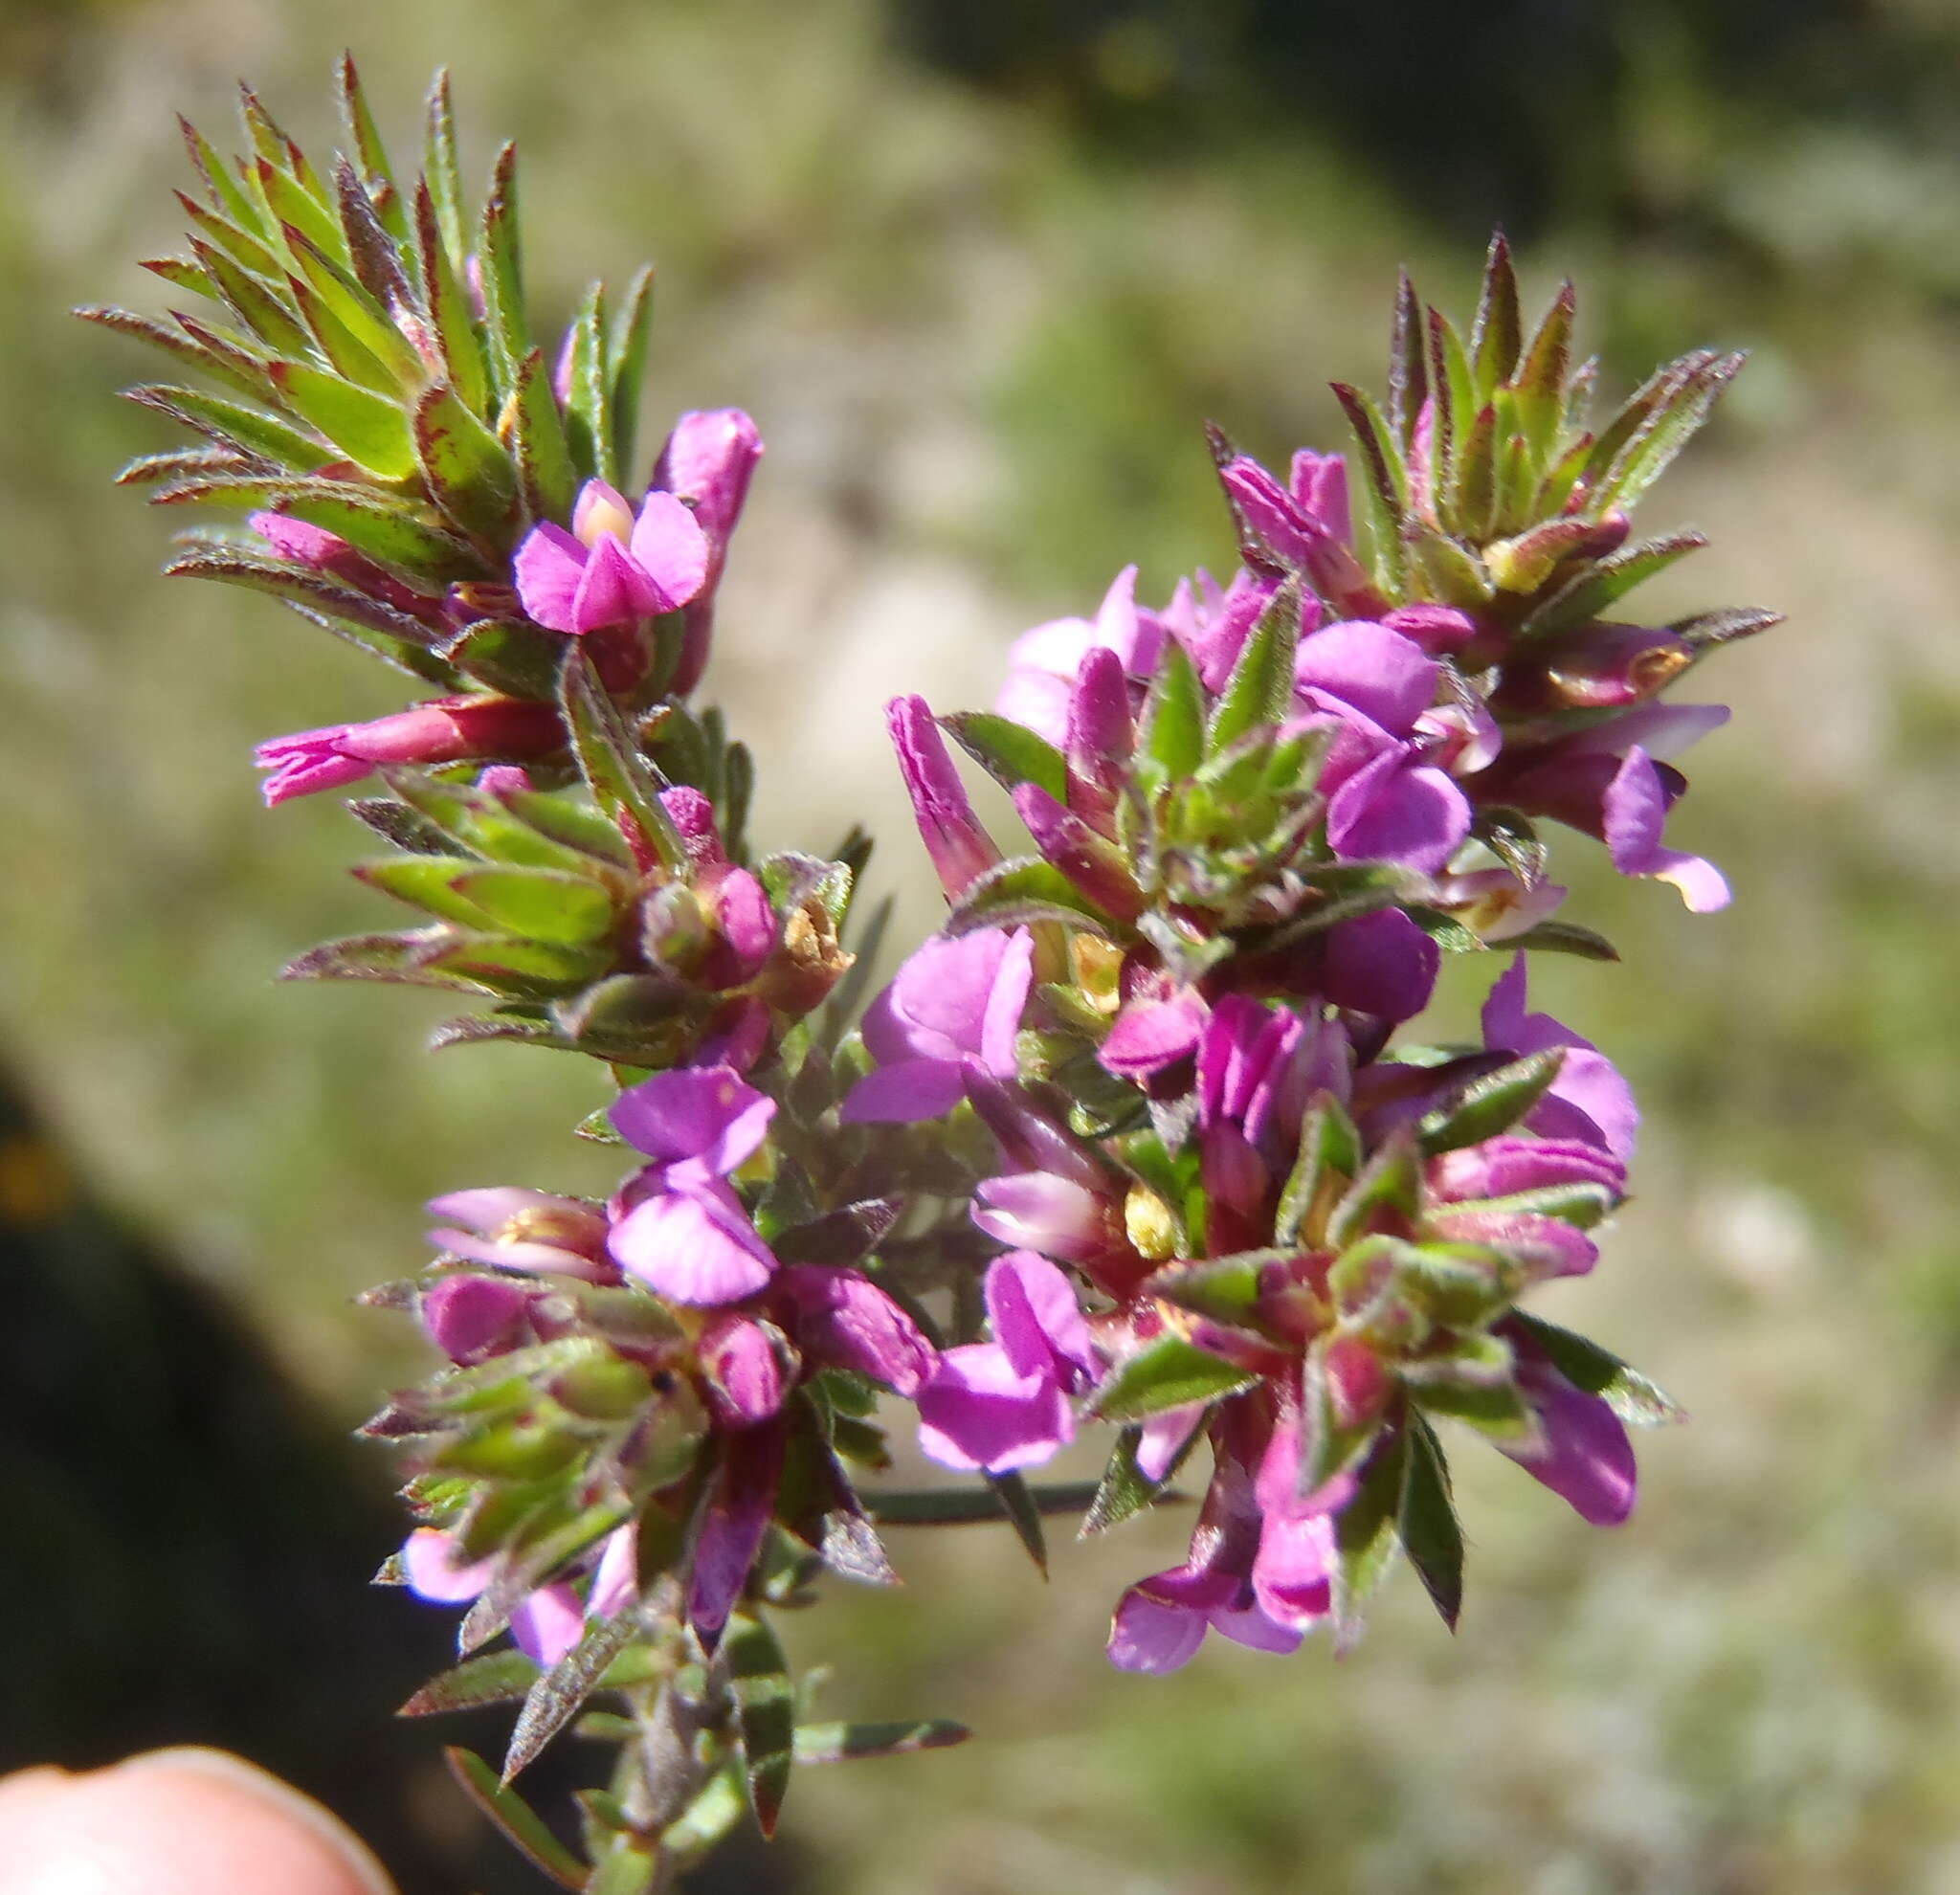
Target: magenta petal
691	1249
1036	1211
703	1113
432	1570
669	551
1503	1166
1391	813
547	569
615	1584
1150	1036
1633	811
1385	677
472	1318
1252	1627
1037	699
1586	1457
905	1094
846	1322
733	1525
977	1414
1163	1439
745	1372
548	1625
1546	1246
937	1005
1005	1000
1036	1318
1381	963
612	589
1150	1637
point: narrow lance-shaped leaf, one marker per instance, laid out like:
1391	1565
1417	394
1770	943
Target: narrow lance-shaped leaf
363	141
1540	382
503	271
1426	1521
626	357
1498	334
368	428
240	371
844	1743
620	779
536	431
1408	370
558	1695
1009	752
1629	1394
1260	691
1492	1104
492	1678
225	193
588	389
1167	1373
765	1712
449	308
463	465
516	1819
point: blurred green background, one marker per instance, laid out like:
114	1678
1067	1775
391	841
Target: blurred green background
979	272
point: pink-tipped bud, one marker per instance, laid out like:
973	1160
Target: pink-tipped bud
960	849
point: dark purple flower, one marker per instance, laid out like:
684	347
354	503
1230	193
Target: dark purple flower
1005	1404
1153	1033
1303	527
1582	1454
955	1001
842	1320
681	1229
614	566
443	730
472	1318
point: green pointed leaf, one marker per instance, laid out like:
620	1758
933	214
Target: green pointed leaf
1384	494
243	372
493	1678
1009	752
537	436
246	429
1636	1400
1016	1500
1498	334
265	313
222	186
516	1819
1167	1373
1225	1288
844	1743
426	882
383	530
1364	1538
1407	362
1391	1181
765	1712
406	829
464	466
449	308
1560	936
1022	890
302	587
1126	1490
1653	446
1329	1156
1491	1104
513	656
363	141
620	779
541	905
303	209
1259	692
1173	731
1589	592
365	309
1540	385
570	824
523	970
505	322
626	355
368	428
561	1693
440	170
589	389
1426	1521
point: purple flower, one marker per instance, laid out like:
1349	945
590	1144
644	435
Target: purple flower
681	1229
443	730
1583	1454
1043	663
1588	1101
707	463
961	850
1154	1033
1303	526
1608	781
546	1624
842	1320
1388	798
473	1319
514	1229
955	1000
613	566
1257	1576
1212	622
1002	1405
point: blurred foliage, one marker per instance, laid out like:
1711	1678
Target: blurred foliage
978	273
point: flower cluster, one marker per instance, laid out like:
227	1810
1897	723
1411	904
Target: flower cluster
1144	1137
